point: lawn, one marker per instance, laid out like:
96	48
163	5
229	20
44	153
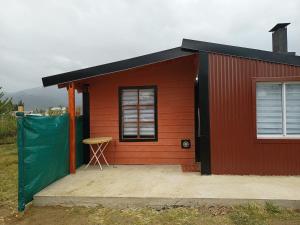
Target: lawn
8	129
268	214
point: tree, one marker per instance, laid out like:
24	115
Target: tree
20	103
6	105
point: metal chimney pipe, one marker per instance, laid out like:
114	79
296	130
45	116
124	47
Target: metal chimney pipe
279	38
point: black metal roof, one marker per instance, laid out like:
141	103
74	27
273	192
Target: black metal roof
201	46
115	66
188	47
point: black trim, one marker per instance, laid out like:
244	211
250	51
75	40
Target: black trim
240	52
121	139
204	140
188	47
115	66
86	121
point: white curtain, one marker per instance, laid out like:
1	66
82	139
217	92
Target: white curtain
269	109
130	112
292	108
145	112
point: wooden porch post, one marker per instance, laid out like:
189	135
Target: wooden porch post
72	137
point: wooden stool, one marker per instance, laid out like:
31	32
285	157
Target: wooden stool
101	143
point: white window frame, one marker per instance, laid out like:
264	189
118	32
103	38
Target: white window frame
284	135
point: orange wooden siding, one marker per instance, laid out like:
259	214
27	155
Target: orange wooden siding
175	111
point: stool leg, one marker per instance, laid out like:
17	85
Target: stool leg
95	156
101	153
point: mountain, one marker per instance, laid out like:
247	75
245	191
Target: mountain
43	98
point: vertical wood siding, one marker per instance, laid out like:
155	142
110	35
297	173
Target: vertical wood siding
234	147
175	98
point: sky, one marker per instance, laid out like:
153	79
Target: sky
41	38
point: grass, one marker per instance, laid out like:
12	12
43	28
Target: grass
8	180
8	125
8	129
251	214
8	174
168	216
7	140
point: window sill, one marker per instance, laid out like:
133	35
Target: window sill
138	140
278	139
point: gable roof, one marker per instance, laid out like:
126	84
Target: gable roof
188	47
250	53
115	66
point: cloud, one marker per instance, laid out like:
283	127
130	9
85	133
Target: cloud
39	38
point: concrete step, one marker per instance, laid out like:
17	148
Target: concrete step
157	203
165	185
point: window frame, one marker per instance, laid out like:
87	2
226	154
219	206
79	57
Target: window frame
121	138
272	138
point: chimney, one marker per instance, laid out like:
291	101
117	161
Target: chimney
279	38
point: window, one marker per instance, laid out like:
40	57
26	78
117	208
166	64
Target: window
138	114
278	109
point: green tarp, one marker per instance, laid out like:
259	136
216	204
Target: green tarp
43	147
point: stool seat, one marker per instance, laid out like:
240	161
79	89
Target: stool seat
96	140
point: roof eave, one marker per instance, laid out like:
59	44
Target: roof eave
113	67
240	52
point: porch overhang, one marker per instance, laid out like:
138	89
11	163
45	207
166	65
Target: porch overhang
105	69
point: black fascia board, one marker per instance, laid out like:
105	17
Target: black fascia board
249	53
115	66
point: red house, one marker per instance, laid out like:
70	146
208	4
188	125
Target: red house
234	110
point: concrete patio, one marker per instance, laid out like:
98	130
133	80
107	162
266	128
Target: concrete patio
157	186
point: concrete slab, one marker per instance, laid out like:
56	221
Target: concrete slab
157	186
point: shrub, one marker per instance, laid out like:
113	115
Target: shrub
250	214
271	208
